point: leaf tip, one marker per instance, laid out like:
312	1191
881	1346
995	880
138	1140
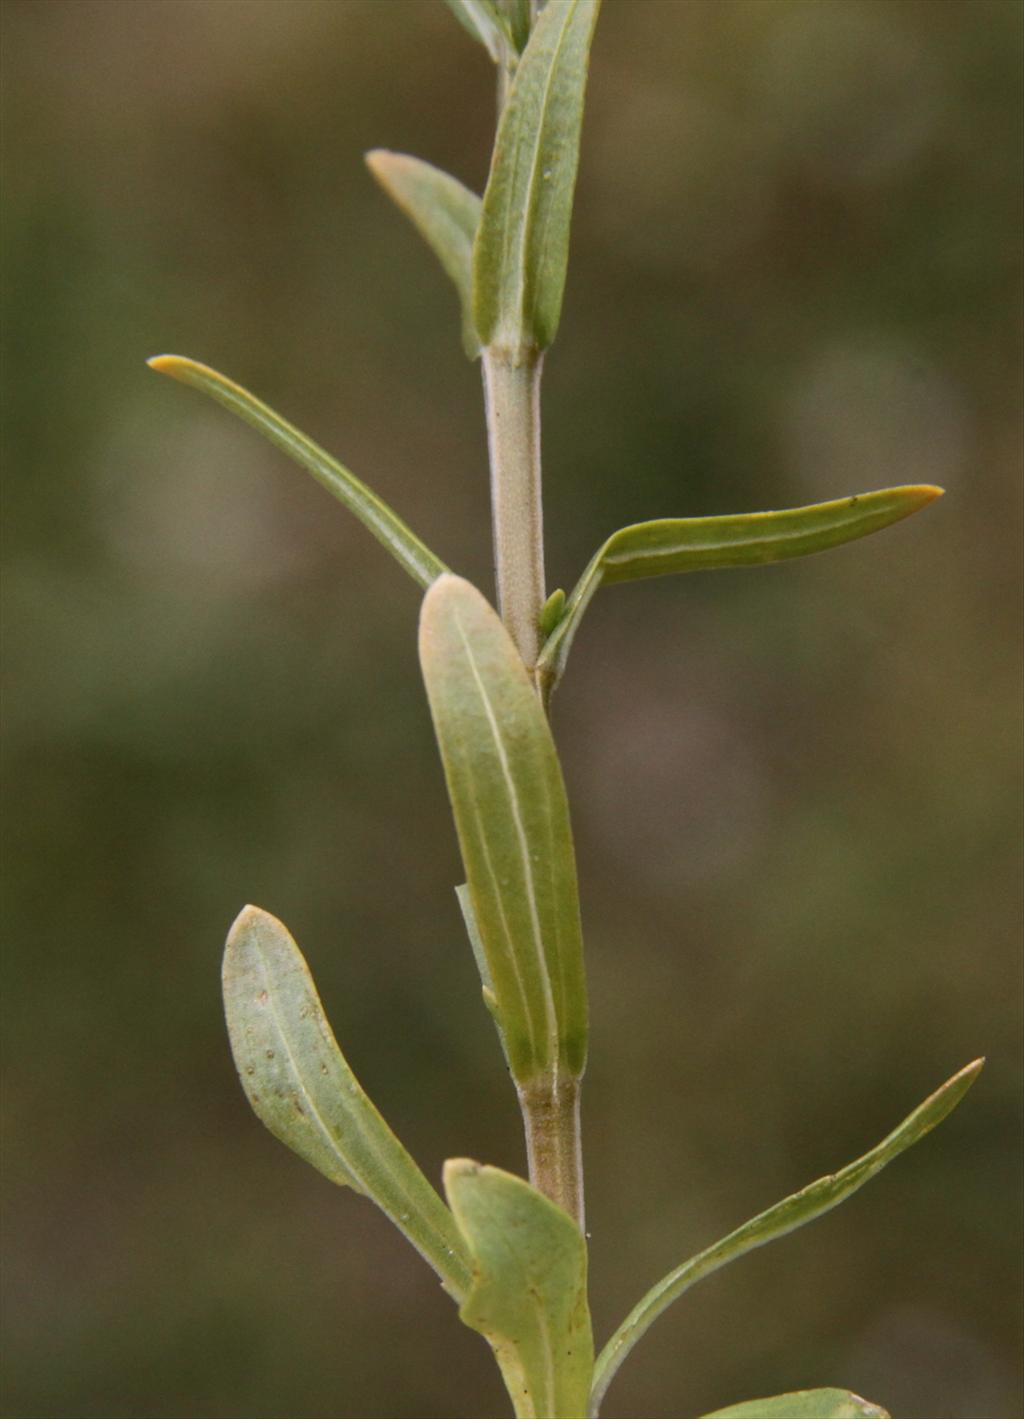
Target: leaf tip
444	591
246	917
164	364
378	160
455	1170
921	494
248	921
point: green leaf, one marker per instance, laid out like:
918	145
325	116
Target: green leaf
552	612
785	1216
386	526
480	956
300	1086
522	244
444	212
804	1404
520	22
529	1291
481	19
512	819
688	544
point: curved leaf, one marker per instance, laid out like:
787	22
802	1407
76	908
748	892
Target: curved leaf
481	19
529	1291
688	544
446	215
785	1216
512	819
386	526
522	244
804	1404
300	1086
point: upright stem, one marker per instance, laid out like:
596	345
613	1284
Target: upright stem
550	1105
512	400
551	1116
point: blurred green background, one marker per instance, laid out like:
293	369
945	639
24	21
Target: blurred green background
795	275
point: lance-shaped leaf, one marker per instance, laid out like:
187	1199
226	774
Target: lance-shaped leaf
804	1404
522	243
688	544
529	1291
372	512
444	212
785	1216
512	819
300	1086
482	19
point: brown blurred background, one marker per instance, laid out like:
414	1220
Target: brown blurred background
795	275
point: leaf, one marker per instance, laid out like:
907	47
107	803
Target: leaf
444	212
804	1404
481	18
512	819
688	544
785	1216
552	612
520	22
301	1088
522	244
477	947
529	1291
386	526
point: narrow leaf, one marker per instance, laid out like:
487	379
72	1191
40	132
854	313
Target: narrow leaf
480	957
520	22
444	212
804	1404
785	1216
512	819
386	526
688	544
529	1290
552	612
301	1088
522	244
481	19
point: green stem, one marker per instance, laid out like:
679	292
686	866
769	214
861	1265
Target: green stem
551	1116
550	1106
512	401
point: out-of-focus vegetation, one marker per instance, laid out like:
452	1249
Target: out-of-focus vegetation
795	275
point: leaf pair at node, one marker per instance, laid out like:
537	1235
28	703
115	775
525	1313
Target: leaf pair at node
514	1261
666	547
507	253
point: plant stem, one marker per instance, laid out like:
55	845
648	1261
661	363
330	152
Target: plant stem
551	1116
512	402
550	1105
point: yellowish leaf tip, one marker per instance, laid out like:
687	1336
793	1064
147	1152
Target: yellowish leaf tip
384	164
165	364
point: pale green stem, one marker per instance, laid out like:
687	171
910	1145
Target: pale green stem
512	401
550	1105
551	1116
